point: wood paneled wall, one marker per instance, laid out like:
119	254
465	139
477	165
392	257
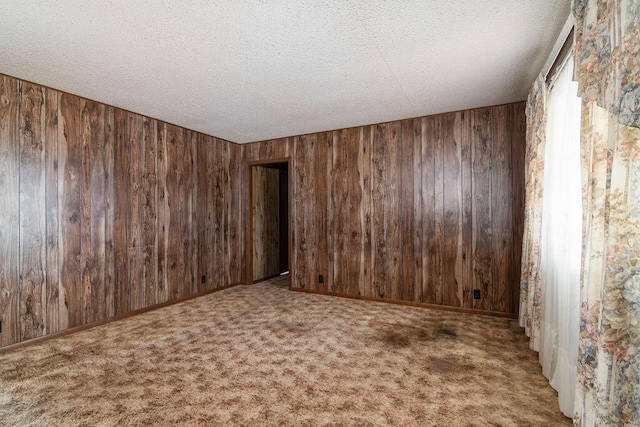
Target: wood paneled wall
422	210
266	222
105	211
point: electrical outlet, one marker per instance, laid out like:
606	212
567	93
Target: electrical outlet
203	279
476	294
320	278
0	326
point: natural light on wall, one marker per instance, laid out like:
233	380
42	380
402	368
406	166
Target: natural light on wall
561	243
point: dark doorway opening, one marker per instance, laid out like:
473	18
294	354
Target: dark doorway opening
268	238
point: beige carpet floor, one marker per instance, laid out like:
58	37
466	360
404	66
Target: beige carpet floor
263	355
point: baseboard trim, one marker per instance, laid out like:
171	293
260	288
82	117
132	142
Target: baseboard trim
411	303
80	328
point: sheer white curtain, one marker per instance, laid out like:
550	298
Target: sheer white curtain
561	244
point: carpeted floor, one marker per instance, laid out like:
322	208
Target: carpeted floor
263	355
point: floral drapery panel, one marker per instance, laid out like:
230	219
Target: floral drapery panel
608	391
607	68
607	57
530	294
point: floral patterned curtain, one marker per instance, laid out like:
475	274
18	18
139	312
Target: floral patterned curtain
530	294
607	58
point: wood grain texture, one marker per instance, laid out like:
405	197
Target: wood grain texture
502	210
305	148
192	213
10	218
430	282
321	177
121	218
378	202
407	211
204	208
95	196
232	204
219	218
109	182
451	263
178	238
52	211
266	222
518	148
135	263
149	202
70	202
422	210
467	208
106	212
33	292
163	214
482	209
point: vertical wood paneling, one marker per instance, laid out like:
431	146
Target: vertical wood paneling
52	211
175	210
70	202
409	210
429	261
219	221
33	291
94	231
393	220
482	209
204	171
379	196
162	293
502	200
85	212
209	147
347	216
346	206
227	212
304	225
105	211
136	149
441	256
418	204
518	146
355	274
364	168
338	223
10	203
149	202
192	212
232	178
467	208
321	163
451	219
121	214
110	205
101	215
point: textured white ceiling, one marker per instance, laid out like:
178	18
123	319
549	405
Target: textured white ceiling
253	70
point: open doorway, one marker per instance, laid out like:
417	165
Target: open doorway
268	237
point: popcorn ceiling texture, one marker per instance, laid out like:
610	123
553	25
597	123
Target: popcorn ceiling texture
263	355
253	70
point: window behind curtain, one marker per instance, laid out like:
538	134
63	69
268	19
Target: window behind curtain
561	243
